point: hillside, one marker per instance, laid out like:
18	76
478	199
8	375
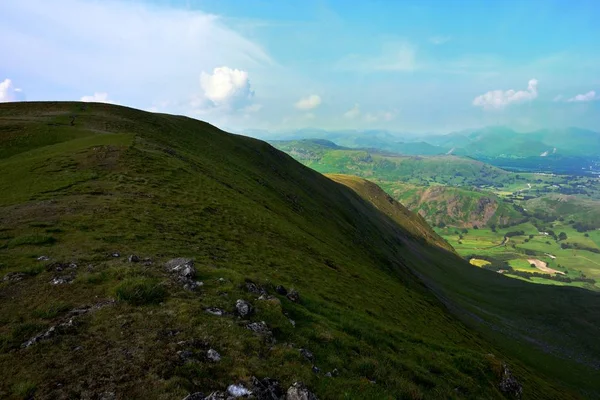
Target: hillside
446	205
370	163
98	202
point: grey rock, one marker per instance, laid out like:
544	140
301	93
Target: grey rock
260	328
194	396
281	290
267	389
238	390
254	288
133	258
14	277
215	311
61	280
292	322
182	269
43	258
116	254
307	354
294	296
299	391
316	369
329	375
243	308
213	355
49	333
509	384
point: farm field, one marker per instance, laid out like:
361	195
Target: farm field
485	248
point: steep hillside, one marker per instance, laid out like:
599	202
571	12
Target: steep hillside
408	220
98	202
446	205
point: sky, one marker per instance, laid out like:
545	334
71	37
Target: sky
271	66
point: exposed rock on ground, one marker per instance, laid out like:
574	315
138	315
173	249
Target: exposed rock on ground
213	355
182	269
294	296
243	308
281	290
254	288
509	384
14	277
215	311
299	391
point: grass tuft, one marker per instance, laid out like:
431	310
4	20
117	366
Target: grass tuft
140	291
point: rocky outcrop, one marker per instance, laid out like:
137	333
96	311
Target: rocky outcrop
182	270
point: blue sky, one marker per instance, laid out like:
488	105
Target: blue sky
422	66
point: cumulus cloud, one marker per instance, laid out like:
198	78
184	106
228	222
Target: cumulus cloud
150	53
97	97
308	103
10	93
353	112
227	87
589	96
498	99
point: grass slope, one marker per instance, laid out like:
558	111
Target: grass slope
83	181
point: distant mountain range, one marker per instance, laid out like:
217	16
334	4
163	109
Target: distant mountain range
484	143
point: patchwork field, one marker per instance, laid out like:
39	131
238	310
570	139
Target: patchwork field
577	257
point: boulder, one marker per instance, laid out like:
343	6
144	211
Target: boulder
215	311
294	296
281	290
299	391
307	354
260	328
238	390
213	355
243	308
254	288
509	384
182	269
133	258
14	277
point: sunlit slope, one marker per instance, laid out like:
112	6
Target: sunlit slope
87	185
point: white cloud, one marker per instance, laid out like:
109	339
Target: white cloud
150	53
353	112
558	98
226	87
98	97
498	99
10	93
589	96
308	103
438	40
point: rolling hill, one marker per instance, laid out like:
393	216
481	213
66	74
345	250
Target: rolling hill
154	256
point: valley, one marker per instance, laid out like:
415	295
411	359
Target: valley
474	206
